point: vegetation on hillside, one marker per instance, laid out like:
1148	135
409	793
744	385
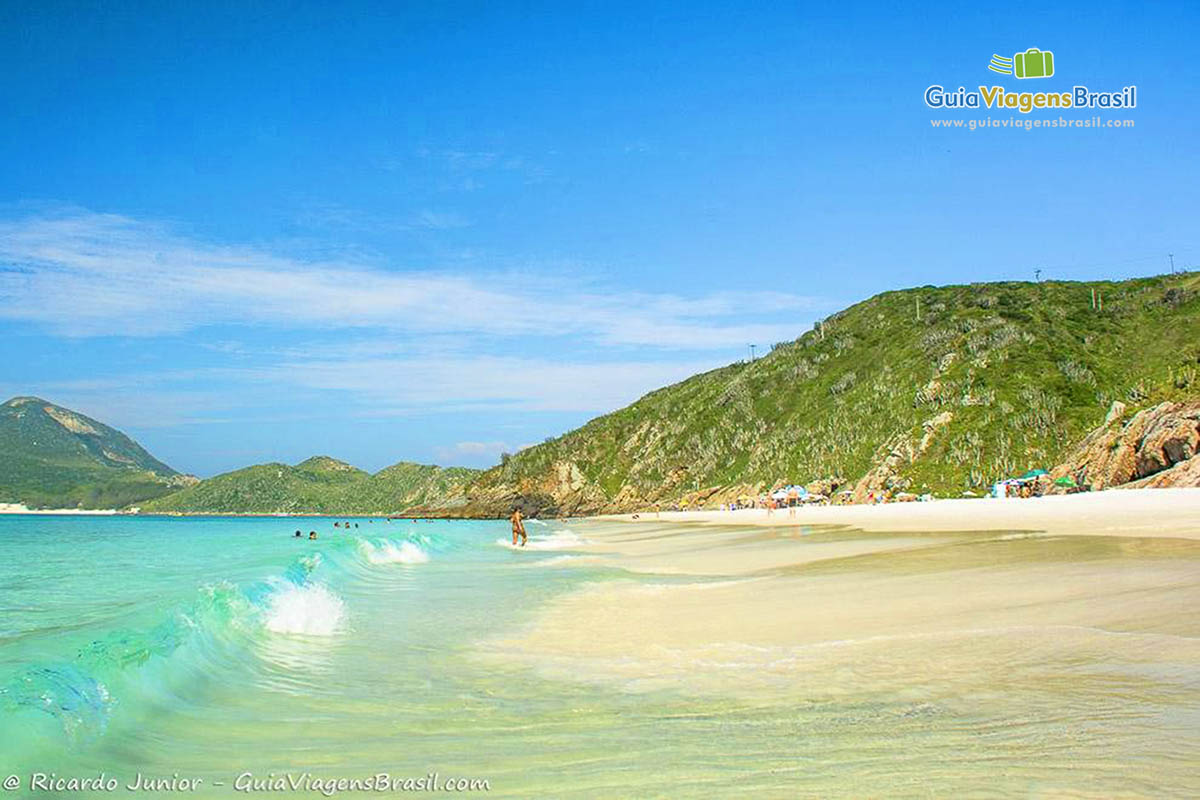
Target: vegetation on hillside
928	389
57	458
320	485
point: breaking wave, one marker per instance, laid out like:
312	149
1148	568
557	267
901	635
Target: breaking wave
388	552
562	539
223	620
309	609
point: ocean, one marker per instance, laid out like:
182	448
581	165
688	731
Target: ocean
208	647
227	657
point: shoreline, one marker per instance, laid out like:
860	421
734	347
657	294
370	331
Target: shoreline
1173	513
117	512
938	603
1160	512
18	509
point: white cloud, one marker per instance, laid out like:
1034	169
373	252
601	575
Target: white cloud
474	453
383	342
370	379
454	383
86	274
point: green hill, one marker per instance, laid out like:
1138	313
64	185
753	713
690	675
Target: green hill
57	458
929	389
320	485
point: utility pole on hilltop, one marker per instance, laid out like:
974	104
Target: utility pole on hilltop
1172	257
752	352
1037	275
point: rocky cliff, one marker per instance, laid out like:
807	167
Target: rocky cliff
1156	447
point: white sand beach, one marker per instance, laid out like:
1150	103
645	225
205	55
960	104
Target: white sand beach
1120	512
18	508
1060	630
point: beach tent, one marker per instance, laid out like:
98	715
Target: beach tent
1066	481
1035	473
780	494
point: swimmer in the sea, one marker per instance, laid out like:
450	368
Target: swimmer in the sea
518	527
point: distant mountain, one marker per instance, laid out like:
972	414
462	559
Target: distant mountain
929	389
53	457
321	485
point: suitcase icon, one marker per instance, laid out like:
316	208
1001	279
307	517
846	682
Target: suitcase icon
1034	63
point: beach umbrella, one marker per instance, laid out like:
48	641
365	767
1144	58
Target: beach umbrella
780	494
1035	473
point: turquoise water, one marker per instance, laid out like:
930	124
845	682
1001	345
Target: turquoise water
182	645
212	648
206	648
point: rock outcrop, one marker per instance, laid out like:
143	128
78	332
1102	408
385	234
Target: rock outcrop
894	456
1185	473
1156	447
562	490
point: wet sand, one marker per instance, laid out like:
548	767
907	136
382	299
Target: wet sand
1061	655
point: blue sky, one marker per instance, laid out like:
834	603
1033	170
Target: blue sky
382	231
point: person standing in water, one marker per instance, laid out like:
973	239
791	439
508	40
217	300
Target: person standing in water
518	527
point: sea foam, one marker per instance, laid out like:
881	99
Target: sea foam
310	609
559	540
388	552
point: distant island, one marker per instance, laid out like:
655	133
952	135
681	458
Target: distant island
939	391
